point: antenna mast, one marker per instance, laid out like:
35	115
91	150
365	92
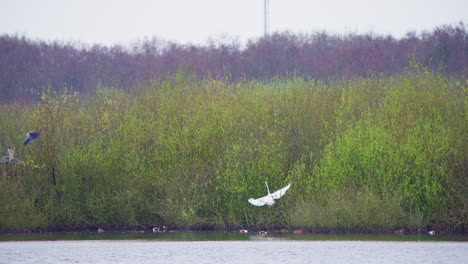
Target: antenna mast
266	16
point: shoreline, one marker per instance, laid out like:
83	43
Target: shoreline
297	231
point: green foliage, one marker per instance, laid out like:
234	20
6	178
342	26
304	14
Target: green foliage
17	209
361	153
349	209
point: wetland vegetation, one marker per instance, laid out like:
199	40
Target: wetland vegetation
376	152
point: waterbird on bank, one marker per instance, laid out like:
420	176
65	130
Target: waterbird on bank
10	158
31	136
298	232
269	199
399	231
159	229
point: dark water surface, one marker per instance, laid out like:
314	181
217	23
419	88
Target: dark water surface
218	247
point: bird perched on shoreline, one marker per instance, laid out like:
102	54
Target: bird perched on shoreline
269	199
159	229
31	136
10	158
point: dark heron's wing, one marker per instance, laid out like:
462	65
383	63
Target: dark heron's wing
31	136
16	161
26	140
4	159
35	135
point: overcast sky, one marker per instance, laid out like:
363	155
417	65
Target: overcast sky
110	22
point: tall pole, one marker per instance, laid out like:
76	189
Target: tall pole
266	3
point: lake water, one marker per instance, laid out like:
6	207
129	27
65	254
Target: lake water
229	248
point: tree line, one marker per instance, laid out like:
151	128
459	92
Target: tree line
27	66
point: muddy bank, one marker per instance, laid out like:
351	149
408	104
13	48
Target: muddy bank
297	231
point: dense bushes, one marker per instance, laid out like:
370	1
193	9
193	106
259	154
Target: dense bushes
27	66
377	152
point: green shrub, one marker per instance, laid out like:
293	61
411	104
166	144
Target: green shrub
375	152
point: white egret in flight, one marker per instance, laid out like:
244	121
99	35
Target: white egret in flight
31	136
269	199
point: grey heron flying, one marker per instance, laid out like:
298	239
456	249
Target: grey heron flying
31	136
270	198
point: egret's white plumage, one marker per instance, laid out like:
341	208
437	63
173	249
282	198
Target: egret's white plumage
270	198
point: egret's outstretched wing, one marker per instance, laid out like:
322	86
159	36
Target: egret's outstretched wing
280	192
257	202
